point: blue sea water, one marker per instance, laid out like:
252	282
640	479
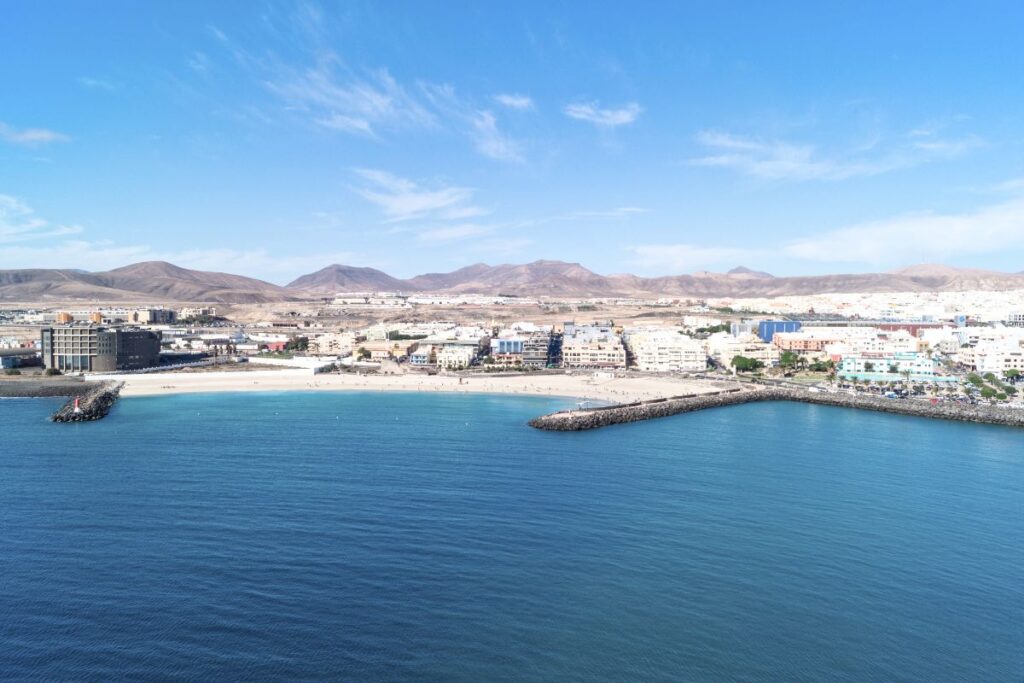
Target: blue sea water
408	537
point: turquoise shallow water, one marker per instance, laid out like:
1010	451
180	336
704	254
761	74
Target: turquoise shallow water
404	537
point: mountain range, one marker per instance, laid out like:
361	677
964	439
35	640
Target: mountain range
161	281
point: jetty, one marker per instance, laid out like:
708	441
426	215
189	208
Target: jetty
593	418
93	405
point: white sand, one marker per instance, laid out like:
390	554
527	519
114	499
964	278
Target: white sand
580	386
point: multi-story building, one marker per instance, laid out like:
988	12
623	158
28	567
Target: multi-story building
665	350
507	349
89	348
425	355
592	346
537	349
333	344
456	356
767	329
151	316
384	349
198	312
869	365
724	347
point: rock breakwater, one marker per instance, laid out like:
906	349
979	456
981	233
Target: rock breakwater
578	420
93	405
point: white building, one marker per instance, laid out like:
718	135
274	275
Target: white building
592	346
455	356
665	350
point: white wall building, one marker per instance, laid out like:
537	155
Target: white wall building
665	350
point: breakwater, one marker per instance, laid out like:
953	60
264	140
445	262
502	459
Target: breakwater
94	405
19	387
578	420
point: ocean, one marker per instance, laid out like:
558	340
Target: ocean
394	537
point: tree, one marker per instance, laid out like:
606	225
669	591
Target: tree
988	392
869	367
1012	374
744	364
788	359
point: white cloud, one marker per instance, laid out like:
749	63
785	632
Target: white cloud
19	223
603	118
781	160
333	95
919	237
683	258
616	214
199	62
480	124
491	142
30	136
401	199
453	232
514	101
500	246
97	83
343	101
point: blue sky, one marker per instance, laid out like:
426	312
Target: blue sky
271	139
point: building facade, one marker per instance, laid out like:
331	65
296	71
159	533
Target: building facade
89	348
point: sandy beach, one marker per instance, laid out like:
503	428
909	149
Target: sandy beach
579	386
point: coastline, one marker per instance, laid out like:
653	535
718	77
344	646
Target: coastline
576	387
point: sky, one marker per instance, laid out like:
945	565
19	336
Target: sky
274	138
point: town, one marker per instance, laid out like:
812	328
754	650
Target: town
959	347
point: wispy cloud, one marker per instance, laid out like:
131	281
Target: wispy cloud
683	258
19	223
480	124
97	83
514	101
616	214
401	199
781	160
919	237
30	136
199	62
453	232
341	100
492	142
370	102
592	112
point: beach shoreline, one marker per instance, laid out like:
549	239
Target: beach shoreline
576	387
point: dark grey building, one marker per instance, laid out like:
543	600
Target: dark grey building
90	348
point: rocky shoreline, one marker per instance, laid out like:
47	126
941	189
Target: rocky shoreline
93	405
578	420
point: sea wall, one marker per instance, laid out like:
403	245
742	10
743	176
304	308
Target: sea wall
18	387
92	406
579	420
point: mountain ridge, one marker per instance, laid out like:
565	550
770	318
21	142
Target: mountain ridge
162	281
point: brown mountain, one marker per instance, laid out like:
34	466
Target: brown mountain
148	281
159	281
557	278
338	278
